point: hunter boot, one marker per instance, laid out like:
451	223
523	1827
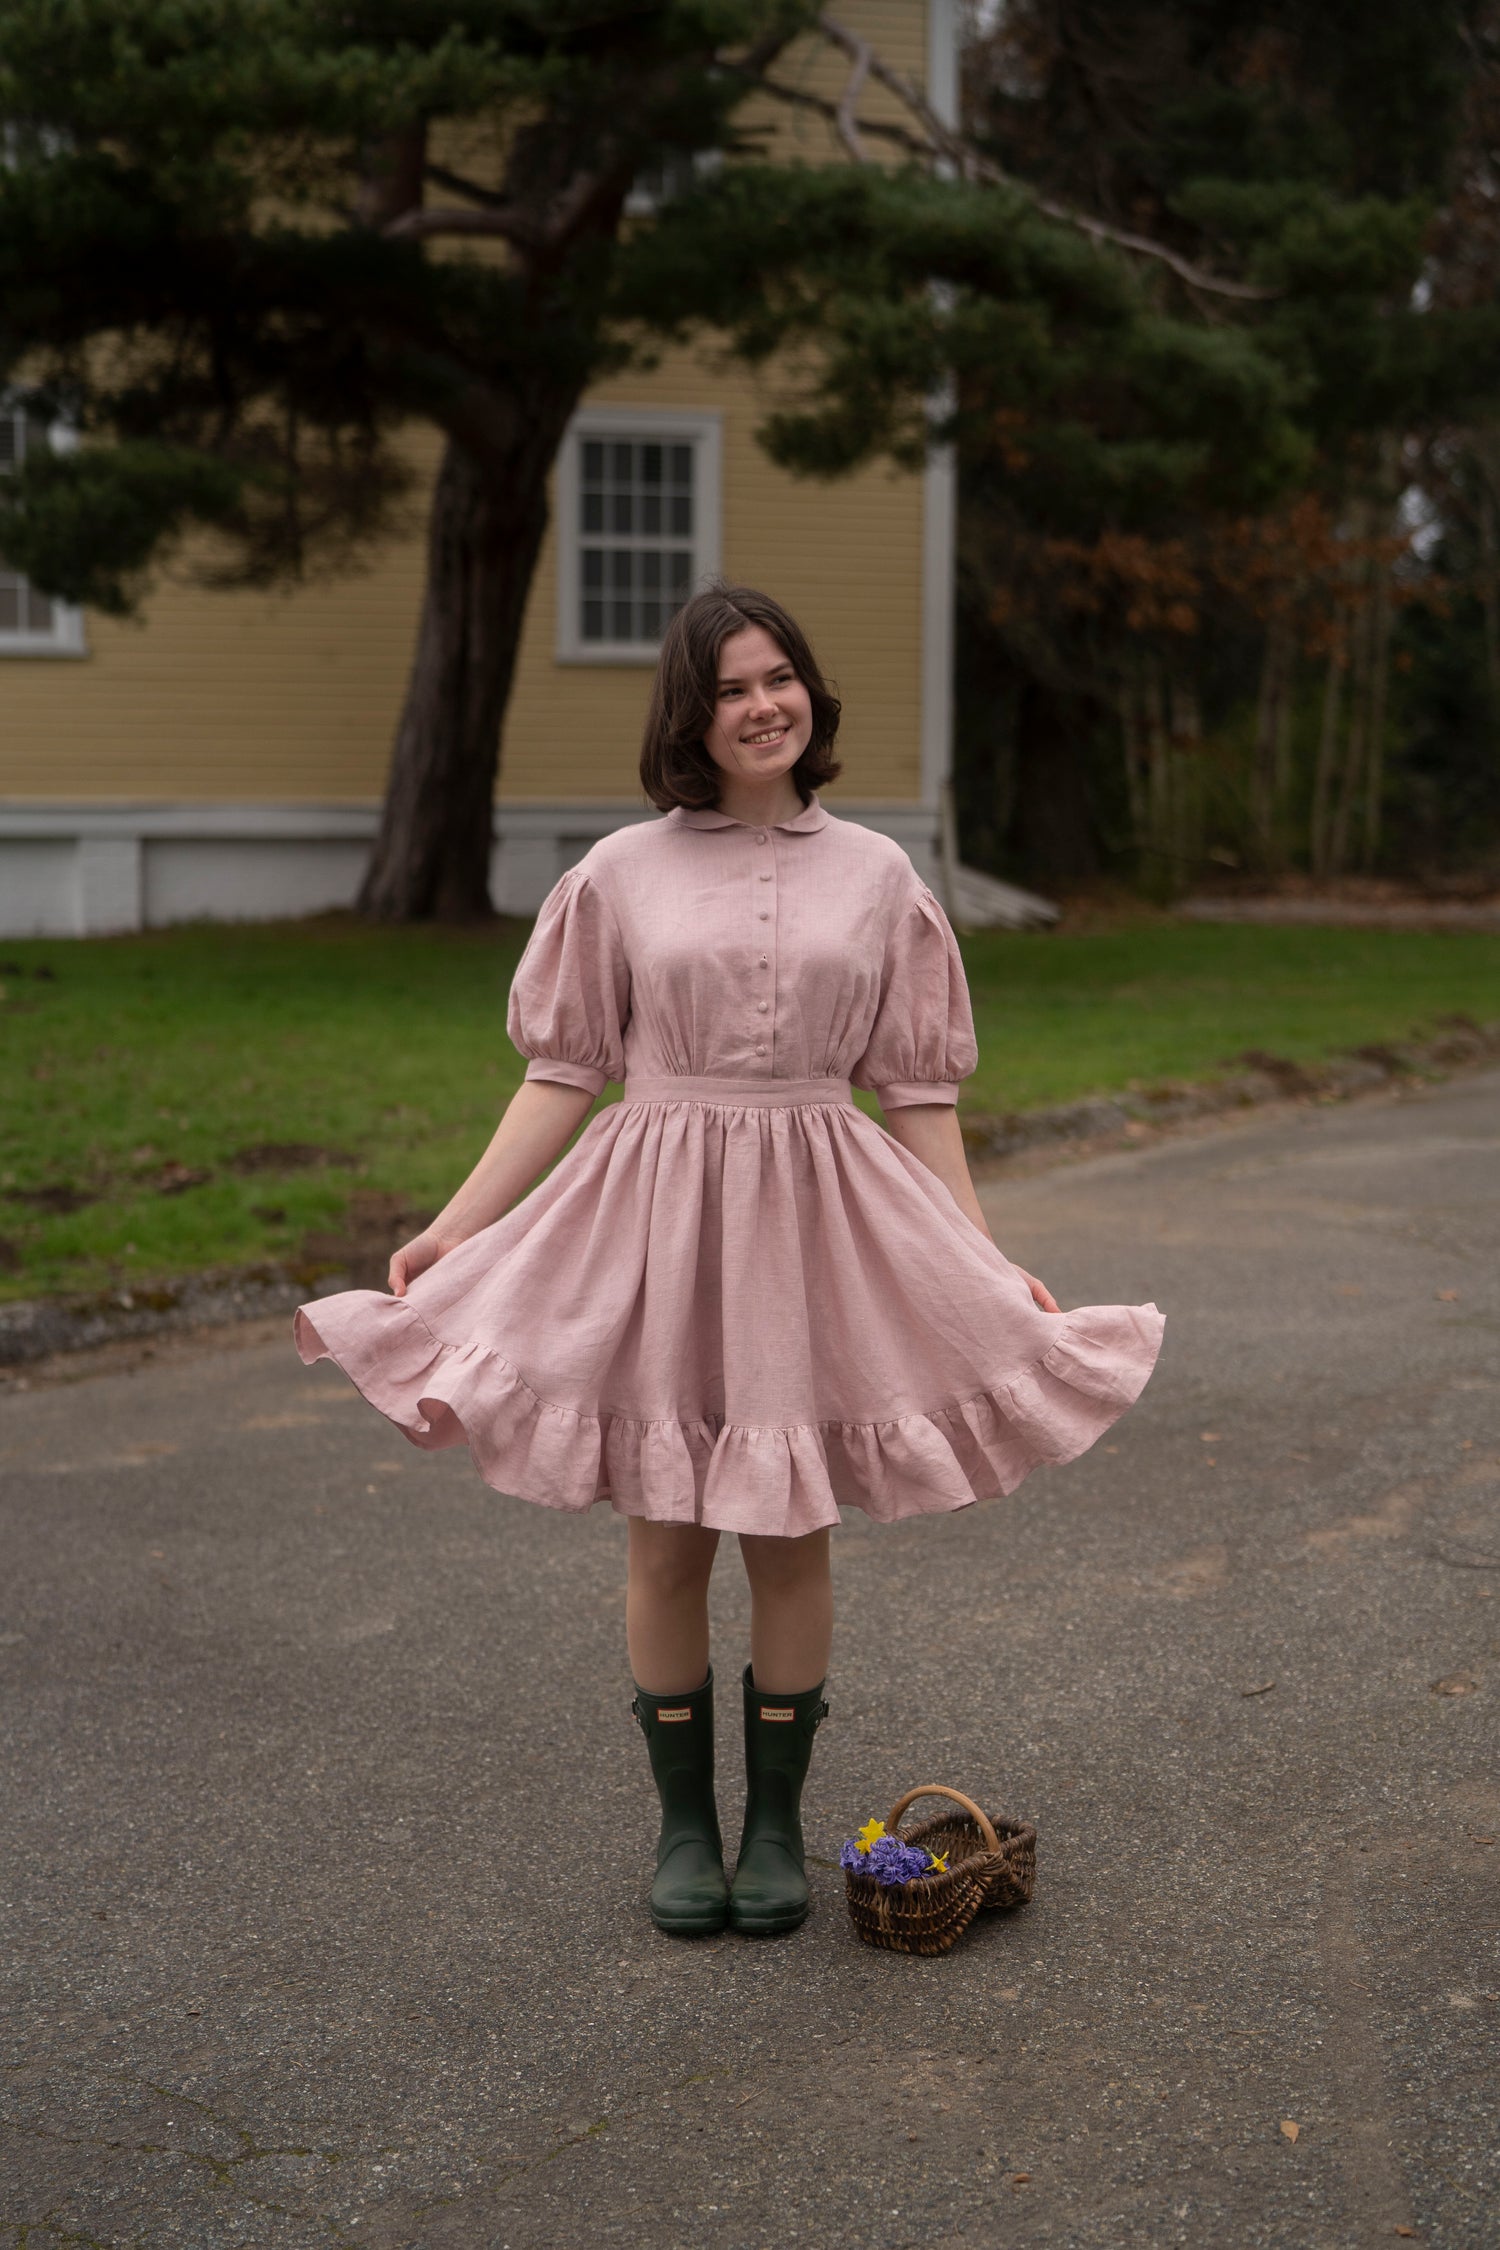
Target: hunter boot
770	1881
689	1896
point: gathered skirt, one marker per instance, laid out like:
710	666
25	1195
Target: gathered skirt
743	1305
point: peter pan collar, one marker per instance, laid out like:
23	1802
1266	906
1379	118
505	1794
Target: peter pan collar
812	815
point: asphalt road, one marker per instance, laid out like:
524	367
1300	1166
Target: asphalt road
327	1829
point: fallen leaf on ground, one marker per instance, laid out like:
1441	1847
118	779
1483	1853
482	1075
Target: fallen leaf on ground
1263	1690
1291	2130
1446	1296
1457	1683
1019	2179
1409	2232
1208	1437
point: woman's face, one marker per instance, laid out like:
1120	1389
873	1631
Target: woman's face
763	714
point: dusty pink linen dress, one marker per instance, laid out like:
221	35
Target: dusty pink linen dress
737	1301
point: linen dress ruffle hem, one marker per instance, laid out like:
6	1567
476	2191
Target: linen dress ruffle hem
737	1301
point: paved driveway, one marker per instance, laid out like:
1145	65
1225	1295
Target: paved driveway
327	1829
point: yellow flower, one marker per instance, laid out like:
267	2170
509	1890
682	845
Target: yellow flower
870	1834
939	1862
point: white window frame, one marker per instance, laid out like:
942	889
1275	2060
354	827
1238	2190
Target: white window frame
700	427
661	184
66	637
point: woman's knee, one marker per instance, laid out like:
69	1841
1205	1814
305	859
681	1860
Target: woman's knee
671	1559
772	1563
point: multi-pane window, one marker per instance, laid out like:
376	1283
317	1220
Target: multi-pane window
635	543
638	510
30	621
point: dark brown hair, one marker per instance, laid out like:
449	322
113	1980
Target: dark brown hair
676	768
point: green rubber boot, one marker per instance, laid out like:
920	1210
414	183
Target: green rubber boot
689	1897
770	1879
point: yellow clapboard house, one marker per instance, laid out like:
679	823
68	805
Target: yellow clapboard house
225	755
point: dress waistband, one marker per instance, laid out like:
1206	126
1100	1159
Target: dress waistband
740	1093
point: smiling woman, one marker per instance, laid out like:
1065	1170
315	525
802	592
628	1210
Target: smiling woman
736	1304
738	698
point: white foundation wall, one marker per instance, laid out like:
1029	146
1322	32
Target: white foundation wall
70	872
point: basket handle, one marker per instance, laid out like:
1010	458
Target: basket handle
936	1789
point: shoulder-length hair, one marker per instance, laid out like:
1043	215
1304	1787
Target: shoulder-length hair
676	768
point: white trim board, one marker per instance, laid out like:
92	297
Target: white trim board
940	479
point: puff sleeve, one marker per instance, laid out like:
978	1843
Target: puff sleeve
922	1040
570	996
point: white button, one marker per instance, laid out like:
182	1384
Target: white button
765	878
760	1046
765	957
765	914
764	1006
760	835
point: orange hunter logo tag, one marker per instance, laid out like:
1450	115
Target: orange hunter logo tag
782	1711
673	1718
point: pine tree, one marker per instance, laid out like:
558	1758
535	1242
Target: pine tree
244	244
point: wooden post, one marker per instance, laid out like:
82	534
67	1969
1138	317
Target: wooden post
948	850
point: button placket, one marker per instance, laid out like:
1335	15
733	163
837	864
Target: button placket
763	969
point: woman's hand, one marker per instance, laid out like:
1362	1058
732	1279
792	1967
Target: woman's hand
415	1257
1040	1293
540	1119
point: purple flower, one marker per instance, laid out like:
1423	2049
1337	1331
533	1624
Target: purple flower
891	1861
857	1862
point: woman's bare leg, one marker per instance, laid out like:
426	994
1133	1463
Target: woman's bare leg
791	1611
666	1605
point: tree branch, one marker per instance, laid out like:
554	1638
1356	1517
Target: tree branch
863	56
941	144
421	225
875	128
458	184
391	177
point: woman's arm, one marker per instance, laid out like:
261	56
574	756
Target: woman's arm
539	1120
930	1132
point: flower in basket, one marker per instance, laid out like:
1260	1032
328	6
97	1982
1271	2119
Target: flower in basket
890	1860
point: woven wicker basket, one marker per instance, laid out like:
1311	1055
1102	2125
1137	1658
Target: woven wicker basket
990	1863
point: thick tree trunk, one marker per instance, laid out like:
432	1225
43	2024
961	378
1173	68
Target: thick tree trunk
431	860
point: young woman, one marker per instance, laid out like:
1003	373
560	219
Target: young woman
737	1303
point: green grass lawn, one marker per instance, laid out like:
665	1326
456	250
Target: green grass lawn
137	1071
